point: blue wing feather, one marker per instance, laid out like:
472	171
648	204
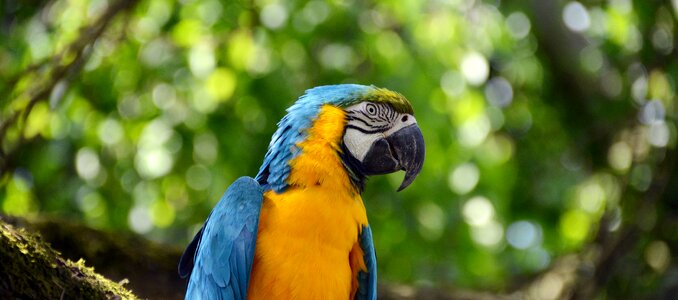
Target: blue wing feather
367	281
223	254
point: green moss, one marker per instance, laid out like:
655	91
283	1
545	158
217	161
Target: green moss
33	270
116	255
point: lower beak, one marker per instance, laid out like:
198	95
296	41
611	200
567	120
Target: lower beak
402	150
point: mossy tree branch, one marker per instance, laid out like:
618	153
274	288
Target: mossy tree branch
31	269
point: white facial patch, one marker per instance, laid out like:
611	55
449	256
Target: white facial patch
368	122
359	143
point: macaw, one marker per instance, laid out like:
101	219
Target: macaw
299	229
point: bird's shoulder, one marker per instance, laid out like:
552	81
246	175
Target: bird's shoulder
219	260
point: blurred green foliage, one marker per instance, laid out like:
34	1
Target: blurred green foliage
539	117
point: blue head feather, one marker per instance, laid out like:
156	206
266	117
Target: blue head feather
293	128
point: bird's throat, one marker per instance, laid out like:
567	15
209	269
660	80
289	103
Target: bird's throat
320	162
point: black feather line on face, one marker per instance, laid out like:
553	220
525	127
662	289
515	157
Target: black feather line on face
353	167
385	112
356	118
381	120
367	131
393	115
366	115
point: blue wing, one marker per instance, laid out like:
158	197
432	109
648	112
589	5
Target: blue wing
219	259
367	281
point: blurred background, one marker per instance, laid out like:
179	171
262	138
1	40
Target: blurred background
550	127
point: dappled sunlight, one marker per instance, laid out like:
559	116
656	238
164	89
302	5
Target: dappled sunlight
549	127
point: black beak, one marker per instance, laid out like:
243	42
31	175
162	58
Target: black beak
402	150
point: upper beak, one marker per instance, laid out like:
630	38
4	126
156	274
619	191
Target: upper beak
409	148
402	150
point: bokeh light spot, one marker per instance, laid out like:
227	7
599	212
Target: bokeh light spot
241	49
154	158
591	59
110	132
210	11
658	134
499	92
612	83
153	162
93	206
87	163
18	199
139	219
221	84
201	60
489	234
37	121
518	25
641	177
576	17
205	148
652	112
620	156
274	15
315	12
432	219
473	132
591	197
389	44
662	40
187	32
164	96
475	68
523	235
464	178
453	83
658	256
478	211
574	226
337	57
639	90
162	213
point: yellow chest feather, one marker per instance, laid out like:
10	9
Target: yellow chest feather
307	245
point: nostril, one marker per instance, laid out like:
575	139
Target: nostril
404	119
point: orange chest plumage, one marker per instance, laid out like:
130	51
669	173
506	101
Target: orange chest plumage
307	244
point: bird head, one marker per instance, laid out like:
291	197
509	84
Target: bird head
380	136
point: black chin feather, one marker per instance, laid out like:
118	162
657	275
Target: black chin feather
354	169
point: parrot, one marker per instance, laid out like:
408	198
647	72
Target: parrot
299	229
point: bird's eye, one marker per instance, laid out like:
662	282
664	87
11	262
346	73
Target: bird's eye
371	109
